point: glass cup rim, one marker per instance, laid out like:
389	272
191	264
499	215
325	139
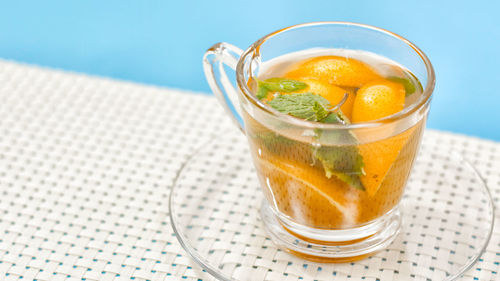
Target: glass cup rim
255	47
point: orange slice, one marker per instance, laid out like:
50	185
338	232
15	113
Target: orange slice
340	71
306	195
379	157
378	99
373	101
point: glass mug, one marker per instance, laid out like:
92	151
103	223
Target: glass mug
307	214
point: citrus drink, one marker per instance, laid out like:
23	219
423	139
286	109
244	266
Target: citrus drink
334	176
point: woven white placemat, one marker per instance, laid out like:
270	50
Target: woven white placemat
85	170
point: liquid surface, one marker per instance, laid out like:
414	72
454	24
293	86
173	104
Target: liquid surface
278	67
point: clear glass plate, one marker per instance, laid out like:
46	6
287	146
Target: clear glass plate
214	209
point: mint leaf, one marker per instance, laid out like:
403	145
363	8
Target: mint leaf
352	180
335	118
262	93
345	162
305	106
278	85
272	141
409	87
282	85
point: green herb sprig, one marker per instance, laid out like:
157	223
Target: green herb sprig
276	84
344	162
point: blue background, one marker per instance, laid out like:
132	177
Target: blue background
162	42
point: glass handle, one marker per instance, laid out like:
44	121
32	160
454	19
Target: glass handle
214	60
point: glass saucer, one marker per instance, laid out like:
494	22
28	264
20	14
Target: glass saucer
447	215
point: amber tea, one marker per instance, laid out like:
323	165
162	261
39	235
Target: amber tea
338	186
